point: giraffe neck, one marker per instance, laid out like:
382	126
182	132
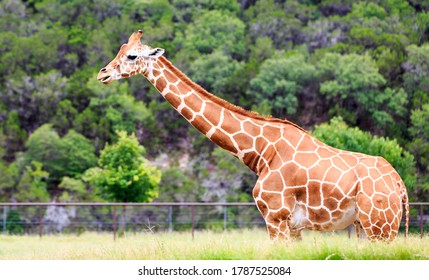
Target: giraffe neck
230	127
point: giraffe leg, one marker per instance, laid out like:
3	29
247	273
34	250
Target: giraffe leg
360	233
379	224
296	235
274	212
278	226
278	230
379	199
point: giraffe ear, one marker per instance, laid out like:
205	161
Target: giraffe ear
157	52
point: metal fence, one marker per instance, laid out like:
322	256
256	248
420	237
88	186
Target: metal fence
75	217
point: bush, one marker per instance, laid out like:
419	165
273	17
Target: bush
14	224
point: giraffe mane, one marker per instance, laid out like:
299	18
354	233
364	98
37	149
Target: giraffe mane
222	102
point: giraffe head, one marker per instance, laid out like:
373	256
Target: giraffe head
133	58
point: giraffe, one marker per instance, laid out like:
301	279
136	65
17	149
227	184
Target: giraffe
302	183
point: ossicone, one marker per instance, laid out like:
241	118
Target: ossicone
135	37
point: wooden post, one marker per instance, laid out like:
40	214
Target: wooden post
123	221
421	221
170	218
114	222
4	219
40	221
224	218
193	220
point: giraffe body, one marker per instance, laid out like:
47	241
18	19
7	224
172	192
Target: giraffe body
302	182
322	188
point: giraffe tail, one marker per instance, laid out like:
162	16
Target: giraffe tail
406	208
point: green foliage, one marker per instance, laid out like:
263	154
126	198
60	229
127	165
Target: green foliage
348	73
14	136
74	190
423	25
78	152
7	181
336	133
375	25
416	80
34	97
64	116
67	156
389	63
353	82
273	20
280	80
14	223
366	61
123	174
215	30
32	185
119	109
214	71
419	146
178	186
224	178
368	10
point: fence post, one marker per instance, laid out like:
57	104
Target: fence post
170	218
4	219
114	222
123	220
40	221
421	221
193	220
224	218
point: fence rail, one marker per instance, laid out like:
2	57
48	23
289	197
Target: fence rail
42	207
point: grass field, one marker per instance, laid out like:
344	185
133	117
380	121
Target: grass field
232	245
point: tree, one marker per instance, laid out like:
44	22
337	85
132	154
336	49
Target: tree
352	82
67	156
419	145
178	186
33	97
14	136
42	146
14	223
324	33
77	153
64	117
416	80
120	111
338	134
225	178
32	185
215	30
7	181
280	81
274	20
23	182
213	72
373	25
123	174
76	190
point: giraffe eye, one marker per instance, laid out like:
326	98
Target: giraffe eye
131	57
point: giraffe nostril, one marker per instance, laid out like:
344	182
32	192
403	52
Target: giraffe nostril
103	70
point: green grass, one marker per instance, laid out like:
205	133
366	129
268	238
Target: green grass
232	245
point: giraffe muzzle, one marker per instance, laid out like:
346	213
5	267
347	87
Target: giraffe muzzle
104	77
106	80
